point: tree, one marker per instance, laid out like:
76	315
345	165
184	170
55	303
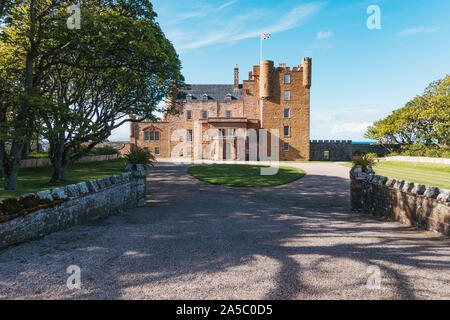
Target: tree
423	120
79	84
120	64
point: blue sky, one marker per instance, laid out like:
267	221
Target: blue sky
359	75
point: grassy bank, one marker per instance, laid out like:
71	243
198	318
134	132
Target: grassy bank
430	174
33	180
242	175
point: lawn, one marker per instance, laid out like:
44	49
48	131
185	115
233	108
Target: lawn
32	180
243	175
430	174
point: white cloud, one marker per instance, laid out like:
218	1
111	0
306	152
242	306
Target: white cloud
217	28
411	31
225	5
350	127
324	34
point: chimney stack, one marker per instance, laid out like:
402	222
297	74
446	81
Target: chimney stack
236	77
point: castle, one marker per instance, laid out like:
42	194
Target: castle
220	121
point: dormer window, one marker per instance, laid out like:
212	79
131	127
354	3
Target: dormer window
228	99
205	98
189	98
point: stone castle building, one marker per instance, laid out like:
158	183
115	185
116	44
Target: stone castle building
221	121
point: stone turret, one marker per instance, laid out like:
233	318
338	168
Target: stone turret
307	64
264	79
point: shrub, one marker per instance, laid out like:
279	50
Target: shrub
140	156
371	155
363	161
104	150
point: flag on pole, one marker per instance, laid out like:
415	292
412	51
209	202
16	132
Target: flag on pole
263	36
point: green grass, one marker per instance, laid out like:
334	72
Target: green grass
430	174
243	175
32	180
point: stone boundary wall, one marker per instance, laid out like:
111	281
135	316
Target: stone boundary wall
45	162
416	159
343	150
82	202
404	201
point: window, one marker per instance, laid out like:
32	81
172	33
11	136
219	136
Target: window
231	132
228	99
286	146
151	136
286	131
189	115
156	150
228	114
189	151
326	155
146	149
204	98
287	95
205	114
287	113
189	98
189	136
287	78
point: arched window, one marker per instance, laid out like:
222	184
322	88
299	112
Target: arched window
205	98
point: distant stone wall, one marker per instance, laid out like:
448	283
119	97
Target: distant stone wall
45	162
75	204
342	150
407	202
417	159
338	150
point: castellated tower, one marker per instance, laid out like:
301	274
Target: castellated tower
285	106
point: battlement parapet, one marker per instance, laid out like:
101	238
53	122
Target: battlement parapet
331	141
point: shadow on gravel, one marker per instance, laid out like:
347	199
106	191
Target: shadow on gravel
192	227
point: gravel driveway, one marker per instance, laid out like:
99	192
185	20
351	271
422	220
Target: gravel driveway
199	241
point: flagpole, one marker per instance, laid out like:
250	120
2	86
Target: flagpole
260	47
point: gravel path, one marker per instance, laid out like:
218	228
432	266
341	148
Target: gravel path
199	241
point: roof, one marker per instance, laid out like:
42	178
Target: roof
213	91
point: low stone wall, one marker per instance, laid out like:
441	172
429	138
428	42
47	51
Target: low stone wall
76	204
45	162
407	202
417	159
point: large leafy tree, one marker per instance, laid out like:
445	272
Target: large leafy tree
120	64
423	120
26	25
86	82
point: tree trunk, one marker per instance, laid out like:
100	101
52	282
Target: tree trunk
11	165
60	158
26	150
59	172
